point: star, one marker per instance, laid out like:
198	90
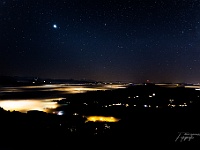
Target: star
55	26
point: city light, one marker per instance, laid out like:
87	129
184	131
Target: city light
26	105
101	119
60	113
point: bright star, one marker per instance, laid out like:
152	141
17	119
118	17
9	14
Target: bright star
55	26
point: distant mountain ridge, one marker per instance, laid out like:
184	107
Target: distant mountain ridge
7	80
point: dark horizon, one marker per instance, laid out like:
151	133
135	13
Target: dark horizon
30	79
129	41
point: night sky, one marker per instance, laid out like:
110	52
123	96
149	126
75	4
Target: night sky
103	40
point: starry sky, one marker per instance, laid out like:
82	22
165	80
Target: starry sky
102	40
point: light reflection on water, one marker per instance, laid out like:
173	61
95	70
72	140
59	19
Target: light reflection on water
42	104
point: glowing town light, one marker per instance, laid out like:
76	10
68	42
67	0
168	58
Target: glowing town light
60	113
101	119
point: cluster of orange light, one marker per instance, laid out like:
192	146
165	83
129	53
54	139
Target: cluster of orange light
101	119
